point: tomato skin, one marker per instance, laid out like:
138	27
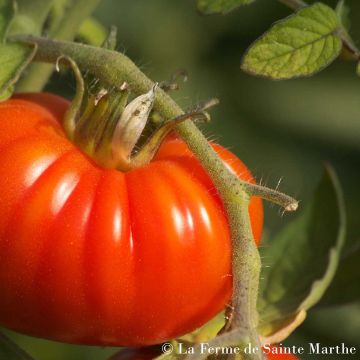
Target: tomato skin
282	357
274	356
97	256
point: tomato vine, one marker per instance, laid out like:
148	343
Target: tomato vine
113	69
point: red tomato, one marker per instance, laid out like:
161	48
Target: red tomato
282	357
98	256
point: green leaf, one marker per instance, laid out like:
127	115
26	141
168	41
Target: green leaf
304	257
13	60
56	14
206	332
343	14
92	32
358	68
30	16
344	289
10	351
6	94
14	57
7	11
299	45
220	6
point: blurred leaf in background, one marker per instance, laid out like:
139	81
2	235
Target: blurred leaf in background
299	45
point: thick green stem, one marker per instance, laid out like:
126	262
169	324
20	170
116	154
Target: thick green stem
246	261
38	74
113	69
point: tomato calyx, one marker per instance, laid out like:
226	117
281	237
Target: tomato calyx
108	127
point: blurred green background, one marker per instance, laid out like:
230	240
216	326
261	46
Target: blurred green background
282	130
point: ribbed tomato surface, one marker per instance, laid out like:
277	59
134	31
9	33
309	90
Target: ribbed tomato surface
98	256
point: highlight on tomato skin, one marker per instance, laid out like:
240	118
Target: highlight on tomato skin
101	257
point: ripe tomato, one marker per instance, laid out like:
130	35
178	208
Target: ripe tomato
98	256
272	356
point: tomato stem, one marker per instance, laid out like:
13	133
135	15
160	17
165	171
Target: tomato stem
69	122
274	196
113	69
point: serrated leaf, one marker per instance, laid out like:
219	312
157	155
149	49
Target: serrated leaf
299	45
303	258
220	6
7	11
343	14
10	351
30	16
13	60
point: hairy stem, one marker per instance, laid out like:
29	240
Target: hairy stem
113	69
38	74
